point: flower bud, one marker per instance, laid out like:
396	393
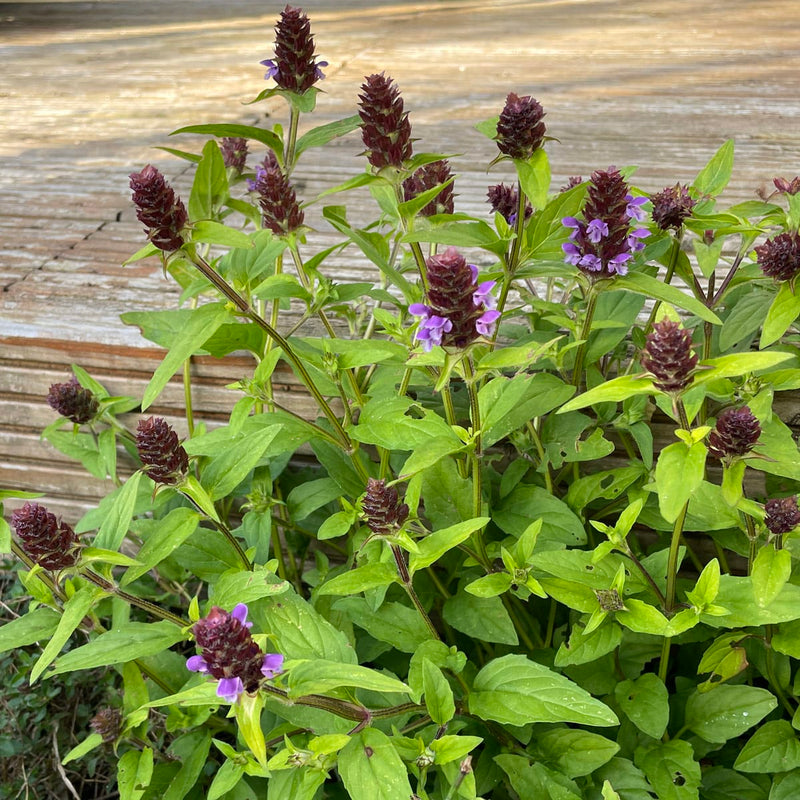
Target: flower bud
521	128
735	434
385	129
72	401
782	514
427	177
384	512
229	653
505	201
108	723
49	542
294	67
234	152
158	209
162	455
276	197
671	206
668	356
779	258
791	187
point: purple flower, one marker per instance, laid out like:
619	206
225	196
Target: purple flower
596	230
294	67
634	208
486	322
483	296
230	655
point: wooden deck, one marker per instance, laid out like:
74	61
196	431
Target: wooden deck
89	88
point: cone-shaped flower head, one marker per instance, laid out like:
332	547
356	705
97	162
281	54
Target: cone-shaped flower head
72	401
162	454
108	723
234	152
787	187
158	209
668	356
779	258
383	510
427	177
458	308
572	182
294	67
49	542
603	242
385	129
671	206
281	212
229	653
735	434
521	128
782	515
505	200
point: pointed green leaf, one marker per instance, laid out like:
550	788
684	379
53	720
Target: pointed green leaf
371	769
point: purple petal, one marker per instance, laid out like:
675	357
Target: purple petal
318	69
633	209
240	613
474	270
596	230
419	309
571	222
483	295
591	262
197	664
273	662
485	323
572	255
272	68
229	689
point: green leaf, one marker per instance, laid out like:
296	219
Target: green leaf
526	503
371	769
720	783
772	748
781	314
164	536
320	676
453	748
746	317
270	139
671	768
92	741
210	186
35	626
434	546
200	326
474	233
393	622
227	777
248	718
71	616
679	472
238	586
433	452
574	752
483	618
645	701
641	283
386	423
536	780
585	647
438	694
784	787
115	525
771	569
612	391
245	449
514	690
192	750
322	134
727	711
490	585
208	231
368	576
737	364
714	176
534	176
126	643
307	497
134	773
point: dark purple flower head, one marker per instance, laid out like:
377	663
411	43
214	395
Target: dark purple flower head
158	209
294	67
72	401
735	434
162	454
383	510
230	655
782	514
572	181
108	723
521	128
604	240
427	177
779	258
668	356
385	129
234	152
49	542
458	308
787	187
281	212
671	206
505	201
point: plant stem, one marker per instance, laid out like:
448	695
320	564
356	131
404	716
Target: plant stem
646	575
475	458
291	140
405	577
771	675
673	261
672	563
580	356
